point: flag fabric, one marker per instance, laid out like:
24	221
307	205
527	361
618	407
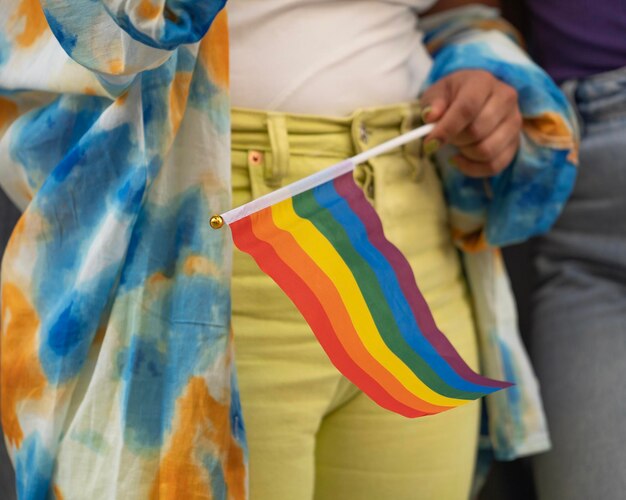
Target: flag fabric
326	249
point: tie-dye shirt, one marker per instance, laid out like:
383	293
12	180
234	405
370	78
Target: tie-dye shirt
116	350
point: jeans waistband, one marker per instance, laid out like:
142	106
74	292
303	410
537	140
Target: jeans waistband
599	98
271	138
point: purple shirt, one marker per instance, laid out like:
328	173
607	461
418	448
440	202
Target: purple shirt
576	38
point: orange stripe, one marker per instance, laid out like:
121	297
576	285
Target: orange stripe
324	289
313	312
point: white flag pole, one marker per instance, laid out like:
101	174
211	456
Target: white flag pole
317	178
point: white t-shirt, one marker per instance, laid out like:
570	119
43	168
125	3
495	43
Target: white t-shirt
326	57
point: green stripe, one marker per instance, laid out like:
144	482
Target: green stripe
307	207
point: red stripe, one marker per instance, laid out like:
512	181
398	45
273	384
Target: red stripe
312	310
325	289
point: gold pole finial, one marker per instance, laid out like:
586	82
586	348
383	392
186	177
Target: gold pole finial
217	222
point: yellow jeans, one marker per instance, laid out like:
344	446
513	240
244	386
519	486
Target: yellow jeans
311	433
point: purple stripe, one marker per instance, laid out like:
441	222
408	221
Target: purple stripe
347	188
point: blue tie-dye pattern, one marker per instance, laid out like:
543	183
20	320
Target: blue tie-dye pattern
204	95
215	470
67	40
72	320
144	395
196	333
528	197
163	234
155	374
236	415
5	49
45	135
132	192
508	365
33	468
193	19
185	59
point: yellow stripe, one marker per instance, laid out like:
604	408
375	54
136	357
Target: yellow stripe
331	263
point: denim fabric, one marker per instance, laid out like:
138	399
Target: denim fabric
578	335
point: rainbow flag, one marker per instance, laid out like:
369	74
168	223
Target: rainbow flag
326	249
322	242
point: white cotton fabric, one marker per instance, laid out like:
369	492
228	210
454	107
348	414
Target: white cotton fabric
326	57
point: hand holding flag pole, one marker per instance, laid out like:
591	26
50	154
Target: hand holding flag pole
322	242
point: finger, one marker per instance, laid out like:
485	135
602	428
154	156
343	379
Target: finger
500	106
494	144
463	109
435	101
488	169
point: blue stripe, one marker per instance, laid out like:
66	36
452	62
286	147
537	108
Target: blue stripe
327	196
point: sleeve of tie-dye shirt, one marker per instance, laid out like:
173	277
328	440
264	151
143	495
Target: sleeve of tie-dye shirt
116	365
527	197
522	201
123	37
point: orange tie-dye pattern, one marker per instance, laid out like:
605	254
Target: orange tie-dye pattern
147	10
198	264
199	418
475	241
35	23
550	129
179	92
22	377
57	493
116	66
214	51
8	113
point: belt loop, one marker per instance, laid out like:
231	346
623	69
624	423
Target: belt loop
277	167
363	173
360	133
412	151
569	88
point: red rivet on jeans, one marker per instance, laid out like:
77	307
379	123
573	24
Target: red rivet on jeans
255	157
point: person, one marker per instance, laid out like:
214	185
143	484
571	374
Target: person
312	84
578	306
117	375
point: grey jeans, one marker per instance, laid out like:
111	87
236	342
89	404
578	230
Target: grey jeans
578	309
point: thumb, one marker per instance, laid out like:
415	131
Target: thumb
435	101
